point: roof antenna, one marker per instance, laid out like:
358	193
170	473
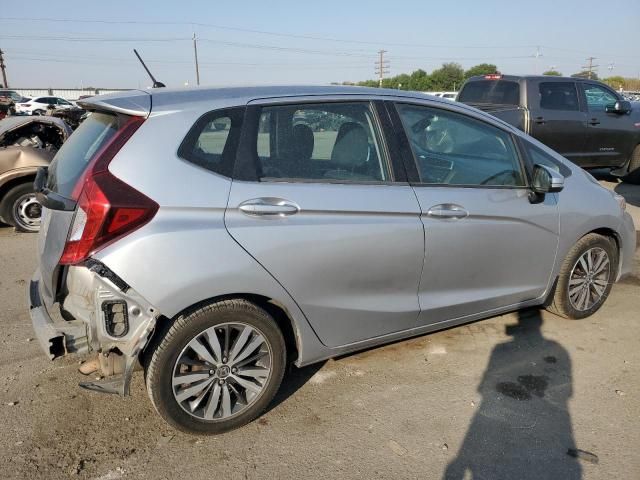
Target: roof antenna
156	84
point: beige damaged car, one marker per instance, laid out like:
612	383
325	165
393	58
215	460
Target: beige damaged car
26	143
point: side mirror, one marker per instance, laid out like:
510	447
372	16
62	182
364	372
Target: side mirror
621	107
544	180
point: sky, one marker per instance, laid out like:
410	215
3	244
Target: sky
74	44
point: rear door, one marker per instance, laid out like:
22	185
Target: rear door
557	117
486	245
317	200
608	136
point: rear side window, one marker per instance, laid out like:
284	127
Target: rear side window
502	92
320	142
213	141
73	157
558	96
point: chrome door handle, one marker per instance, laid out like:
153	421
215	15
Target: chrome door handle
268	207
447	210
594	121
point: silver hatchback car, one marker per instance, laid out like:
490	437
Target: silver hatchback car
213	235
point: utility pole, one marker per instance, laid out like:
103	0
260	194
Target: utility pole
195	54
4	73
382	67
537	55
590	67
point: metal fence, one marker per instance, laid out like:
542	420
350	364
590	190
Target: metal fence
66	93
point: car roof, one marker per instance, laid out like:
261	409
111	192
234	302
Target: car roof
141	102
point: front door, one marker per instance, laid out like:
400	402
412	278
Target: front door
486	245
319	207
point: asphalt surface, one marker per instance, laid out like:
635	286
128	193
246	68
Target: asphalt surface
524	395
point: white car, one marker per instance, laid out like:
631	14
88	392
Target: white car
39	105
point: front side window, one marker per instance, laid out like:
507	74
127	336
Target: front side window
558	96
538	157
453	149
598	97
320	142
213	140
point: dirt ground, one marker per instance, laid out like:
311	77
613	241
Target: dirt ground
524	395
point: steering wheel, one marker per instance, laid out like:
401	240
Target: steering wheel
499	174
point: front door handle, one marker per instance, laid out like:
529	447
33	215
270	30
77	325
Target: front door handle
447	210
268	207
540	120
594	121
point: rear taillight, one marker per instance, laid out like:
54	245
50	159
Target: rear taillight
107	208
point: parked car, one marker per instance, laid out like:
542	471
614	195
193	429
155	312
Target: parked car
213	257
586	121
39	105
8	99
26	143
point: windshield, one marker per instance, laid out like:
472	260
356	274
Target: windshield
72	159
502	92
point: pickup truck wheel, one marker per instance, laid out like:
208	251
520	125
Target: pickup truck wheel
633	175
216	368
20	208
586	277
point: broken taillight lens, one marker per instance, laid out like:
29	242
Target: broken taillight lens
107	208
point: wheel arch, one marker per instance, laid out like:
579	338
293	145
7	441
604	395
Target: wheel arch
26	177
278	311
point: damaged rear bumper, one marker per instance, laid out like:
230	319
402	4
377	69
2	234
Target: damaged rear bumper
109	318
56	338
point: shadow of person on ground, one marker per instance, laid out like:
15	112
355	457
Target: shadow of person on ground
522	428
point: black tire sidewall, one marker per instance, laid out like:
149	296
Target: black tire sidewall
8	201
563	281
159	383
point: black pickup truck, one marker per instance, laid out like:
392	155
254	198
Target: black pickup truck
583	120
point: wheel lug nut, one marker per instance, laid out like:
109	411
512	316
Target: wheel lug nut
234	370
211	372
224	359
221	382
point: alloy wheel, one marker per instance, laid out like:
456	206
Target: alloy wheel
222	371
589	278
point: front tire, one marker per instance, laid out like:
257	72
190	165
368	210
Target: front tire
586	277
20	208
216	368
633	172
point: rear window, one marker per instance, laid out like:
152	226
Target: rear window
73	157
503	92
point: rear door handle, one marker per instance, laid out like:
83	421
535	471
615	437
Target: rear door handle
447	210
268	207
594	121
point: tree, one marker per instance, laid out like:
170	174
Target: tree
616	81
585	74
481	69
552	73
448	77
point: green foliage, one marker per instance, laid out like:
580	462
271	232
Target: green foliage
449	77
552	73
481	69
585	74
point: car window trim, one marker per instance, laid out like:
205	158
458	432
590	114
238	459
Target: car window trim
411	162
247	164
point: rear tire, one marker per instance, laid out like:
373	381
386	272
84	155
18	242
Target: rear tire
633	175
20	209
586	277
216	368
